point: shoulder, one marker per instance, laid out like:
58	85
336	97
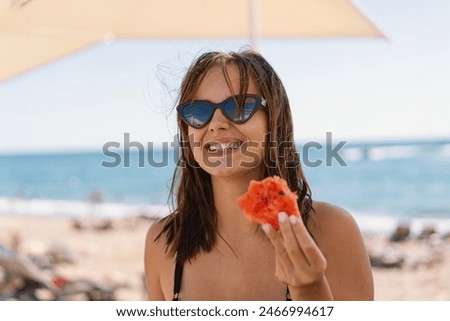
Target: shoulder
339	239
332	219
155	242
155	230
158	264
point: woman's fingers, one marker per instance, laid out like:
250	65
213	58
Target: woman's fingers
299	260
294	245
307	244
275	238
291	243
283	263
286	244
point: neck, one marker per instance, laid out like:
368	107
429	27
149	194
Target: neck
226	191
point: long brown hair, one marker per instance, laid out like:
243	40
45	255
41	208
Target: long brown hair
192	227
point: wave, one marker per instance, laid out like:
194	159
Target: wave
393	152
445	151
386	224
397	151
354	154
69	208
379	153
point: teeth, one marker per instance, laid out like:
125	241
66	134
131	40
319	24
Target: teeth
215	148
234	145
220	147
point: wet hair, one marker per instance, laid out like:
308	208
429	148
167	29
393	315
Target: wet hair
192	226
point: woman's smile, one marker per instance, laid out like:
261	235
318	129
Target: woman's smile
223	146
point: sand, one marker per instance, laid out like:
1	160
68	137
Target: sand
107	255
116	255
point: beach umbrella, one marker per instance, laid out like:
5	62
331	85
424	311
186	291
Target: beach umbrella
34	32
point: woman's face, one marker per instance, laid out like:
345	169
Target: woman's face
222	147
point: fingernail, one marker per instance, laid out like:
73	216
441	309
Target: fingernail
266	228
293	219
282	216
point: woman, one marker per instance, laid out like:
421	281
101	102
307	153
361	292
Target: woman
235	126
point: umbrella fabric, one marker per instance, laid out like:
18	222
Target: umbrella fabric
33	32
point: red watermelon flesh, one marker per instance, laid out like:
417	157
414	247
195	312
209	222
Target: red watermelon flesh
265	199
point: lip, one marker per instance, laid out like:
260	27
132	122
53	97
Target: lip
222	141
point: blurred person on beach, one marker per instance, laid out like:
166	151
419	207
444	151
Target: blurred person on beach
206	249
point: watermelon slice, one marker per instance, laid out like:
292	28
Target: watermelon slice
265	199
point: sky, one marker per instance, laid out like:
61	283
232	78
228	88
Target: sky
358	89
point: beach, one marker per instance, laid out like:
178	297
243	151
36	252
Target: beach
110	255
111	251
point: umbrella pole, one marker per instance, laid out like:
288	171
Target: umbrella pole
254	11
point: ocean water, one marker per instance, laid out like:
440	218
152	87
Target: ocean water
381	184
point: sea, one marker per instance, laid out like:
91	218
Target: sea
382	184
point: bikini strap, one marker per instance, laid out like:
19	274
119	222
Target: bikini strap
177	280
288	295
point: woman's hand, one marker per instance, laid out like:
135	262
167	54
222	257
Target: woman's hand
299	262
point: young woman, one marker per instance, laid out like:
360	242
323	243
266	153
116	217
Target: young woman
235	126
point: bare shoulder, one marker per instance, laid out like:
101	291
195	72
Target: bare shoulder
153	232
339	239
155	244
157	262
333	228
331	219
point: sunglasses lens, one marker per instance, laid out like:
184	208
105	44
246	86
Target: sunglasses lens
197	114
241	115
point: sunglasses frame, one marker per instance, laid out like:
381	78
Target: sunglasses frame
260	101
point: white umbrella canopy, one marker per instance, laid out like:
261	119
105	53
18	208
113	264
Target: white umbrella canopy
34	32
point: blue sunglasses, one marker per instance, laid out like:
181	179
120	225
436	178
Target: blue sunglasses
237	109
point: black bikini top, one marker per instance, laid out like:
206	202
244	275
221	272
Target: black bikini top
177	283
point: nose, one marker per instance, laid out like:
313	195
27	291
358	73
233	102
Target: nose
218	122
